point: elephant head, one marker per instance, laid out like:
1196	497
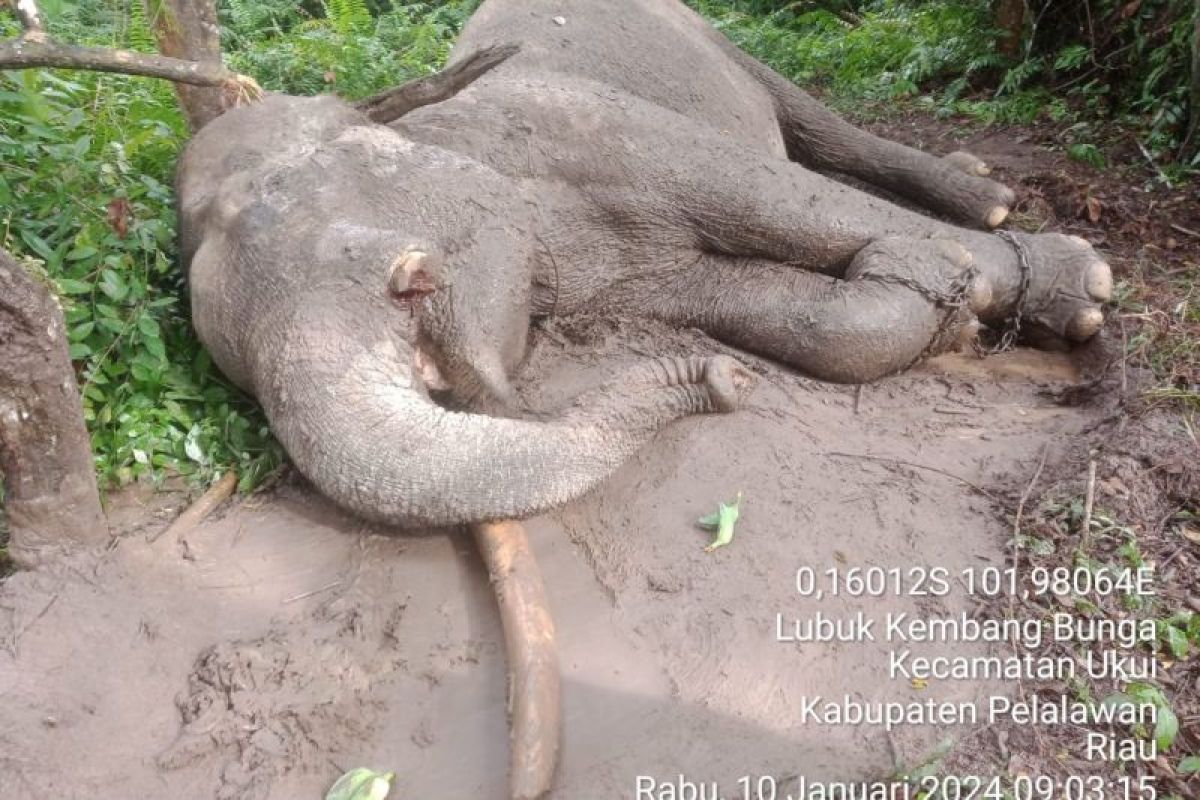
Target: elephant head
341	273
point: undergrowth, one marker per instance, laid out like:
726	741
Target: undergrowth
1126	71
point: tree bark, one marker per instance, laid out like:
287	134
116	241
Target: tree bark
45	455
395	103
1191	142
1009	18
25	53
30	18
188	30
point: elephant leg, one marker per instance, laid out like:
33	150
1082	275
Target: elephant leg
750	204
901	299
820	139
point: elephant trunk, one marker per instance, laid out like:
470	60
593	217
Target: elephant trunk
353	420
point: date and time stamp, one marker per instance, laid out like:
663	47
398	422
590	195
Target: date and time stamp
919	647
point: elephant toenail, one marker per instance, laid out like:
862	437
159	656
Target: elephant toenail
1099	282
1085	324
996	216
959	255
980	296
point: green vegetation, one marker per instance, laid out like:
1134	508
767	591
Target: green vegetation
1131	69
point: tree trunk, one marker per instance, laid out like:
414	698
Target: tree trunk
1009	18
45	454
1191	142
188	29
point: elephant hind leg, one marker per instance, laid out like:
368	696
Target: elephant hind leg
822	140
901	299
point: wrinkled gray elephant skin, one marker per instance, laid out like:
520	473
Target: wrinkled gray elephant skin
362	281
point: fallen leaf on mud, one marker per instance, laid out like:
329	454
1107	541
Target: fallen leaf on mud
1114	486
362	784
1093	209
1191	534
918	683
722	522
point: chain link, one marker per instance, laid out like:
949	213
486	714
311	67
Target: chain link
1012	325
952	301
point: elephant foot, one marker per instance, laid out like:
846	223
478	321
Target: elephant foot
969	163
1066	284
980	200
940	269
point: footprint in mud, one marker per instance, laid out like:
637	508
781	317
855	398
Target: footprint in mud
268	707
284	702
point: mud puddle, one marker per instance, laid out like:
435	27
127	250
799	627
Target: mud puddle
285	641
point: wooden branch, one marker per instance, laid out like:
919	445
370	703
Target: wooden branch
25	53
194	514
534	680
188	36
395	103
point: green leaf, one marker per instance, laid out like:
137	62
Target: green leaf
362	784
155	347
149	327
1166	728
81	146
80	253
38	245
191	446
72	286
723	521
81	331
1088	154
1189	765
1177	641
113	285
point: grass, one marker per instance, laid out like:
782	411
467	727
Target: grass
1160	313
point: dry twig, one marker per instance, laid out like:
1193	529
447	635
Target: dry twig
195	513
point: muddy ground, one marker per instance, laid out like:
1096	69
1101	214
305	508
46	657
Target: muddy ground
283	641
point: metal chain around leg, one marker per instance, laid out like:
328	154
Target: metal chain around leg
1012	325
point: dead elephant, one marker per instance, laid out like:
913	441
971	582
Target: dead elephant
627	157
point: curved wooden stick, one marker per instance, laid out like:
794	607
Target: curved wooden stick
395	103
194	514
535	686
